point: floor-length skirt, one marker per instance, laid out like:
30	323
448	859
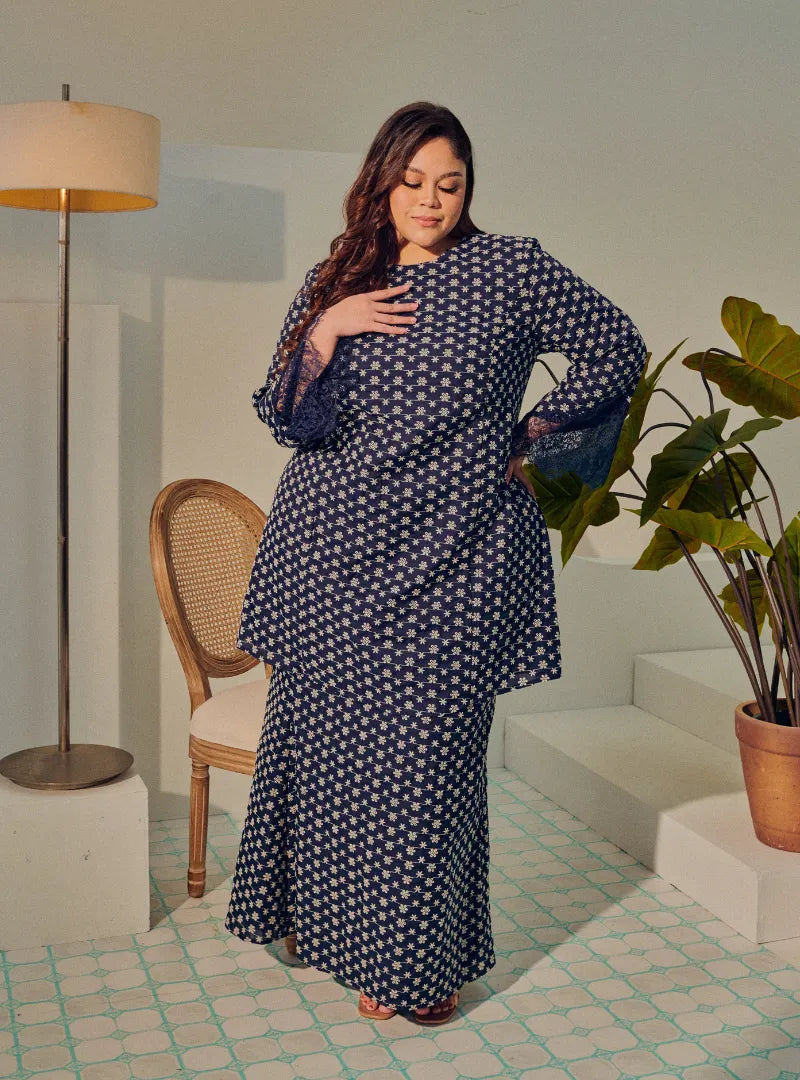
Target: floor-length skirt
367	834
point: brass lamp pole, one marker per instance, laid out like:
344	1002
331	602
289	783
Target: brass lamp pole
89	158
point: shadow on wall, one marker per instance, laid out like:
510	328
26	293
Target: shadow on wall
201	230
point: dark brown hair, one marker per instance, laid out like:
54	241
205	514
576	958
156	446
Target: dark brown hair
360	256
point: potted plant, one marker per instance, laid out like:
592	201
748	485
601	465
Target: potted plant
698	492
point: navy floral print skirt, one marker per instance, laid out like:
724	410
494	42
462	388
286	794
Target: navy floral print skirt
367	834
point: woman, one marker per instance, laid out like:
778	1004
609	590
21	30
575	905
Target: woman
404	577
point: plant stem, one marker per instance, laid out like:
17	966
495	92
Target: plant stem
717	481
794	606
705	380
745	602
678	402
639	481
765	705
787	613
547	368
730	463
792	700
773	688
665	423
790	644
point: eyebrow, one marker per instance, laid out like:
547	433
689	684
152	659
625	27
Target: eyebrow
412	168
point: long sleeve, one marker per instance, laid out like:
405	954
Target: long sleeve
300	402
576	426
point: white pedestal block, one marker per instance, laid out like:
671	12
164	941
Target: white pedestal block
697	690
670	799
75	864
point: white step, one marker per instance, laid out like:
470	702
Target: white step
670	799
696	690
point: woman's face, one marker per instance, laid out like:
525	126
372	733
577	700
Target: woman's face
433	188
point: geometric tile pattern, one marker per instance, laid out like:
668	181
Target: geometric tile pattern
603	971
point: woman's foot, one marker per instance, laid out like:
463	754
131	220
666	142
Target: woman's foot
291	944
372	1009
439	1012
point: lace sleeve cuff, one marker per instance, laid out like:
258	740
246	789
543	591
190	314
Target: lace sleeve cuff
300	399
584	446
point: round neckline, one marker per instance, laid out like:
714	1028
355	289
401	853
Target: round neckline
439	258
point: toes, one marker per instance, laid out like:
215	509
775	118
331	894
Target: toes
438	1007
373	1005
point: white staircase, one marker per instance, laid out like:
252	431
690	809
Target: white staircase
662	779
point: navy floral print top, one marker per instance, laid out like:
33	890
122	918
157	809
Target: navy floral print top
393	529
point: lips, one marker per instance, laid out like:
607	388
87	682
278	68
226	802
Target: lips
427	221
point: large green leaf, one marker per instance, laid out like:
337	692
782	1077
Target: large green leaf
555	495
749	430
711	495
719	533
758	596
790	543
634	421
664	549
673	470
767	376
572	506
595	506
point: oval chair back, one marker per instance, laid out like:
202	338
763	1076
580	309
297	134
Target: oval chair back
203	541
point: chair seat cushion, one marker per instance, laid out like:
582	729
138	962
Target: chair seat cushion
233	717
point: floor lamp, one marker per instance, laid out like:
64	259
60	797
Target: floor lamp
72	156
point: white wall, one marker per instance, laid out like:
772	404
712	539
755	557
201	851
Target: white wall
651	147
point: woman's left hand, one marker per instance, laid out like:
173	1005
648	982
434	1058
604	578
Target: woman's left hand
515	469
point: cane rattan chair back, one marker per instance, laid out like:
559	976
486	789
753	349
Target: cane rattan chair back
203	541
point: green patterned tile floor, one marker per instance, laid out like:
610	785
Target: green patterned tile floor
603	970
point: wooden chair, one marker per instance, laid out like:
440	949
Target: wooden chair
203	540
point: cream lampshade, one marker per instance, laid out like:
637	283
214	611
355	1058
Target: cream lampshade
107	157
72	156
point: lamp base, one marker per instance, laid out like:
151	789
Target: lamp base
83	765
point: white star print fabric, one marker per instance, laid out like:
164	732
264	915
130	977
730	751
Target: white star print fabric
399	586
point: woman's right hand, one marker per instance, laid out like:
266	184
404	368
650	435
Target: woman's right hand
362	312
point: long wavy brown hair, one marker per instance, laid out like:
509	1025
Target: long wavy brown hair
360	256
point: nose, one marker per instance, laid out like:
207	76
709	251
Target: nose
431	198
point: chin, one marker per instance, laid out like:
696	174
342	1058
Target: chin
429	237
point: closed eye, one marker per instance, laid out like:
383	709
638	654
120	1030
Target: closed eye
449	190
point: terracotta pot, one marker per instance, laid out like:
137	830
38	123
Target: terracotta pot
771	763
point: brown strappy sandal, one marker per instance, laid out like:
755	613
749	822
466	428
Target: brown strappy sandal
441	1017
372	1014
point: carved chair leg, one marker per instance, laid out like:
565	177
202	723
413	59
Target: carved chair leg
198	829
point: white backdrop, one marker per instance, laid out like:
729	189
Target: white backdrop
650	147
